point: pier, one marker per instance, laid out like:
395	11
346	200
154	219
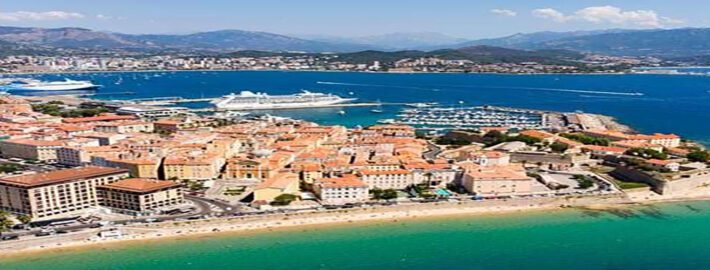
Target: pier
164	100
342	105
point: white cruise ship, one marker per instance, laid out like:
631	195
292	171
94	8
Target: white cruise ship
66	85
247	100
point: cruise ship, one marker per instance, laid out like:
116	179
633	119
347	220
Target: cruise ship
247	100
66	85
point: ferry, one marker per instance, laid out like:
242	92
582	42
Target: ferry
247	100
66	85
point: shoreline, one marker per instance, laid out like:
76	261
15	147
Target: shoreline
300	222
323	71
234	226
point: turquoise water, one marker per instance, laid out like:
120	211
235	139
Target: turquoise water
670	103
670	236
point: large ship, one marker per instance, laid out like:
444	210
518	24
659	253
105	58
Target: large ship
247	100
34	85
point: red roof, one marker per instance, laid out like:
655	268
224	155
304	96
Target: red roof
105	117
60	176
140	185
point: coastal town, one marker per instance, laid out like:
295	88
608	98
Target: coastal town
312	62
73	175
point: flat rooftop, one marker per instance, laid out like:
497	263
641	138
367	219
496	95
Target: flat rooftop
60	176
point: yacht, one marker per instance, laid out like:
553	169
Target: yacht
66	85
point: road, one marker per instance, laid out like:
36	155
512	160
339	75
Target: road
432	152
226	207
204	209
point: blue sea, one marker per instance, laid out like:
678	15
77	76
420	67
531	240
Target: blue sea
669	103
663	237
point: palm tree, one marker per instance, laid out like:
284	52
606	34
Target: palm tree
25	219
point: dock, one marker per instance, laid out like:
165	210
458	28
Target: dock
343	105
155	101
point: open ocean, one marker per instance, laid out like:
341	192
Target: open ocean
670	103
664	237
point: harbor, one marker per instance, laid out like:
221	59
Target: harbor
470	117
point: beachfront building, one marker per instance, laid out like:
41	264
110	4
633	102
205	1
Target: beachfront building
30	149
48	194
392	179
341	190
138	196
282	183
496	180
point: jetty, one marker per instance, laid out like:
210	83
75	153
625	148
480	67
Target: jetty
342	105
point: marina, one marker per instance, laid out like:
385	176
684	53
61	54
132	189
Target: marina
470	117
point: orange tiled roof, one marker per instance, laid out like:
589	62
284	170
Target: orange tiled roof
341	182
140	185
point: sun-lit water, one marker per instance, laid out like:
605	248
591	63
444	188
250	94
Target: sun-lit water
670	236
668	103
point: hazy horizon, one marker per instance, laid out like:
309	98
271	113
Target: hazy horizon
350	19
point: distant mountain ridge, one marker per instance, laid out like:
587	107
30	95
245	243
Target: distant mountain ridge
520	39
683	43
480	54
663	43
223	40
398	40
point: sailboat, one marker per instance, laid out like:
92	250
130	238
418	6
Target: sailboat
378	109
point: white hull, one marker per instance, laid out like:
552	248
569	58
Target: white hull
277	106
68	85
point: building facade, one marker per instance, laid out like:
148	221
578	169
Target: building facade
139	196
342	190
44	195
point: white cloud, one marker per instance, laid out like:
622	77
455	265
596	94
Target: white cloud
504	12
103	17
548	13
609	15
38	16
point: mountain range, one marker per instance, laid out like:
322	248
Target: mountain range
670	43
396	41
480	54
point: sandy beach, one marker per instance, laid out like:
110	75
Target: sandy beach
264	223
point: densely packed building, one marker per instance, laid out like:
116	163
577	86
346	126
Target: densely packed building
19	63
281	156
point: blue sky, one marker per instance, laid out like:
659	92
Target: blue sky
467	19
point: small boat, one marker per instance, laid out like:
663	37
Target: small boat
376	111
341	112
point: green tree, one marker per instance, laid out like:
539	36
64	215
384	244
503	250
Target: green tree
647	153
389	194
699	156
5	222
284	199
376	193
25	219
558	147
196	185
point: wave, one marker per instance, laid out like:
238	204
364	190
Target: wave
493	87
567	90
